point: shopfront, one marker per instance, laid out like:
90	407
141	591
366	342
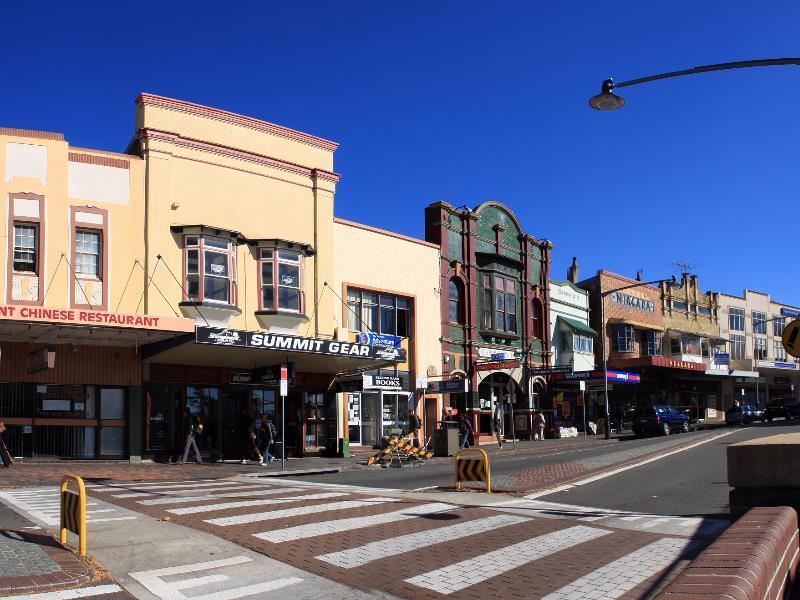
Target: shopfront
379	404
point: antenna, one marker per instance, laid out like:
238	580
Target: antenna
685	267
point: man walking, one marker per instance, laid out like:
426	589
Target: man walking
5	455
497	424
465	430
268	436
538	425
247	427
413	428
194	427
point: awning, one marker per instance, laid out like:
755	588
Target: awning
577	325
753	374
711	336
635	323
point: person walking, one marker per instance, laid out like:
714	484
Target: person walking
194	428
5	455
497	424
465	431
538	425
413	428
247	429
268	434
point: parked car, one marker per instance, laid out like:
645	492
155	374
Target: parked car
738	415
663	419
756	414
789	408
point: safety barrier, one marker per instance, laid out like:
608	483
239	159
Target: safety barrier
73	511
474	468
400	449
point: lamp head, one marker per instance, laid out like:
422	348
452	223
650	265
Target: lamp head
606	99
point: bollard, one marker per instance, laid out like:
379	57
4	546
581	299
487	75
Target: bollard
73	512
474	468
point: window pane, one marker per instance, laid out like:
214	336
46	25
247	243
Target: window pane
288	275
191	240
510	286
288	298
387	300
487	308
216	264
499	283
266	254
268	297
500	301
452	313
403	322
215	242
288	255
266	273
500	321
216	288
403	303
387	319
369	311
25	248
192	261
354	310
511	308
193	286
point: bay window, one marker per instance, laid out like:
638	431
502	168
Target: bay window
623	338
504	292
281	280
652	342
582	343
210	267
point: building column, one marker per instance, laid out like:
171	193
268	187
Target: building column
135	423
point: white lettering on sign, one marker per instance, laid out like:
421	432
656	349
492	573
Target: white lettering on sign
633	301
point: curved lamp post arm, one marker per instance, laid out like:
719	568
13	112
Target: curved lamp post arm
607	100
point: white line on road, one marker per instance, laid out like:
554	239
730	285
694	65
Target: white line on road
192	510
179	499
296	512
86	592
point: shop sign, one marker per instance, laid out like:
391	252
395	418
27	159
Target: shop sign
633	302
497	365
93	318
618	376
379	339
40	360
783	381
269	341
776	365
495	354
271	375
790	312
364	382
241	377
448	386
551	370
722	358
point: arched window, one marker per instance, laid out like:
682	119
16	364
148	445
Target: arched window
455	313
537	313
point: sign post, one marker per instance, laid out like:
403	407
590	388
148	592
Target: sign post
284	392
512	400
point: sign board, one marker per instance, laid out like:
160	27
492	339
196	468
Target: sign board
40	360
497	365
722	358
284	380
219	336
379	339
495	354
271	375
452	386
551	370
791	338
94	318
241	377
359	383
790	312
776	365
618	376
633	301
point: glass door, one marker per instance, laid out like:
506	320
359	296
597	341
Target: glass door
370	419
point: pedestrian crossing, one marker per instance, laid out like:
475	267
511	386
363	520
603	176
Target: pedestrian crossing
44	504
419	546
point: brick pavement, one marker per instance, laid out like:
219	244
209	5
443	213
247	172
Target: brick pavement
433	549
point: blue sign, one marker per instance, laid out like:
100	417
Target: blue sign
790	312
723	358
378	339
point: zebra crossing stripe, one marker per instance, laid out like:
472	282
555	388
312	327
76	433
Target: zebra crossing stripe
296	512
97	590
357	557
171	487
473	571
244	494
299	532
192	510
622	575
161	493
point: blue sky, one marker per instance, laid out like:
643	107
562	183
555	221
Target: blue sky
472	101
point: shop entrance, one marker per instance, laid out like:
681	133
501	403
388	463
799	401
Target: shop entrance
493	396
234	404
370	419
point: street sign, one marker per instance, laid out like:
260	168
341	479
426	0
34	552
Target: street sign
497	365
284	380
791	338
551	370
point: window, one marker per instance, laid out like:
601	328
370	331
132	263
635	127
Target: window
26	248
652	343
679	306
564	342
759	322
378	313
674	346
780	351
582	343
504	293
737	346
211	268
778	325
87	253
691	345
455	307
736	319
703	310
623	338
281	280
760	348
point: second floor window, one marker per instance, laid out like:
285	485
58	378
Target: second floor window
623	338
759	322
455	312
210	268
778	325
281	280
760	348
26	248
737	346
582	343
780	351
378	313
652	343
504	292
87	253
736	319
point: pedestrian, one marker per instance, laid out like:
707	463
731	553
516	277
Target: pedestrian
5	455
497	424
247	429
194	428
413	428
268	435
465	431
538	426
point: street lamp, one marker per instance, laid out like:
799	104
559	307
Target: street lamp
603	295
608	100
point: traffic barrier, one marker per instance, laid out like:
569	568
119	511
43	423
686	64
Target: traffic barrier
73	511
474	468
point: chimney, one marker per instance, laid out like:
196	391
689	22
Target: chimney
639	275
572	272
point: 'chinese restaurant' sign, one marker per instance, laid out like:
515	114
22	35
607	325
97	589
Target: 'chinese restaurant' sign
93	318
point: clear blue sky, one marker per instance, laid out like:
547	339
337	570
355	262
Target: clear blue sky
471	101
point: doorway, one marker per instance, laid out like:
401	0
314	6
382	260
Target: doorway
370	419
233	403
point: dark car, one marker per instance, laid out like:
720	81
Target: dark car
738	415
789	408
663	419
756	414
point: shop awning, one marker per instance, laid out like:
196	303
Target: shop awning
753	374
577	325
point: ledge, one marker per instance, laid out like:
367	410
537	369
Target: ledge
215	305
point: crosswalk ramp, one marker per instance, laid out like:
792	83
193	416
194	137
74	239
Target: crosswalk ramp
415	548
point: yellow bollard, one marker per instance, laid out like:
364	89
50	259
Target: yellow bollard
473	469
73	511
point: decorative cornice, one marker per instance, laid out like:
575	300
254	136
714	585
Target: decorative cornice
217	114
33	133
227	152
105	161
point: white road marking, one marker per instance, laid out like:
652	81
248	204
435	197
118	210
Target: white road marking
622	575
184	486
356	557
191	510
473	571
179	499
47	506
153	580
162	493
296	512
299	532
336	486
97	590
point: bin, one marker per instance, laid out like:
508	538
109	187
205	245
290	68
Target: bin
344	448
445	442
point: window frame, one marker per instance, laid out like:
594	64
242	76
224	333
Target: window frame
736	317
101	228
402	307
629	338
760	348
652	342
780	351
759	323
271	255
36	243
500	307
231	252
41	242
99	275
455	306
582	344
778	325
741	343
